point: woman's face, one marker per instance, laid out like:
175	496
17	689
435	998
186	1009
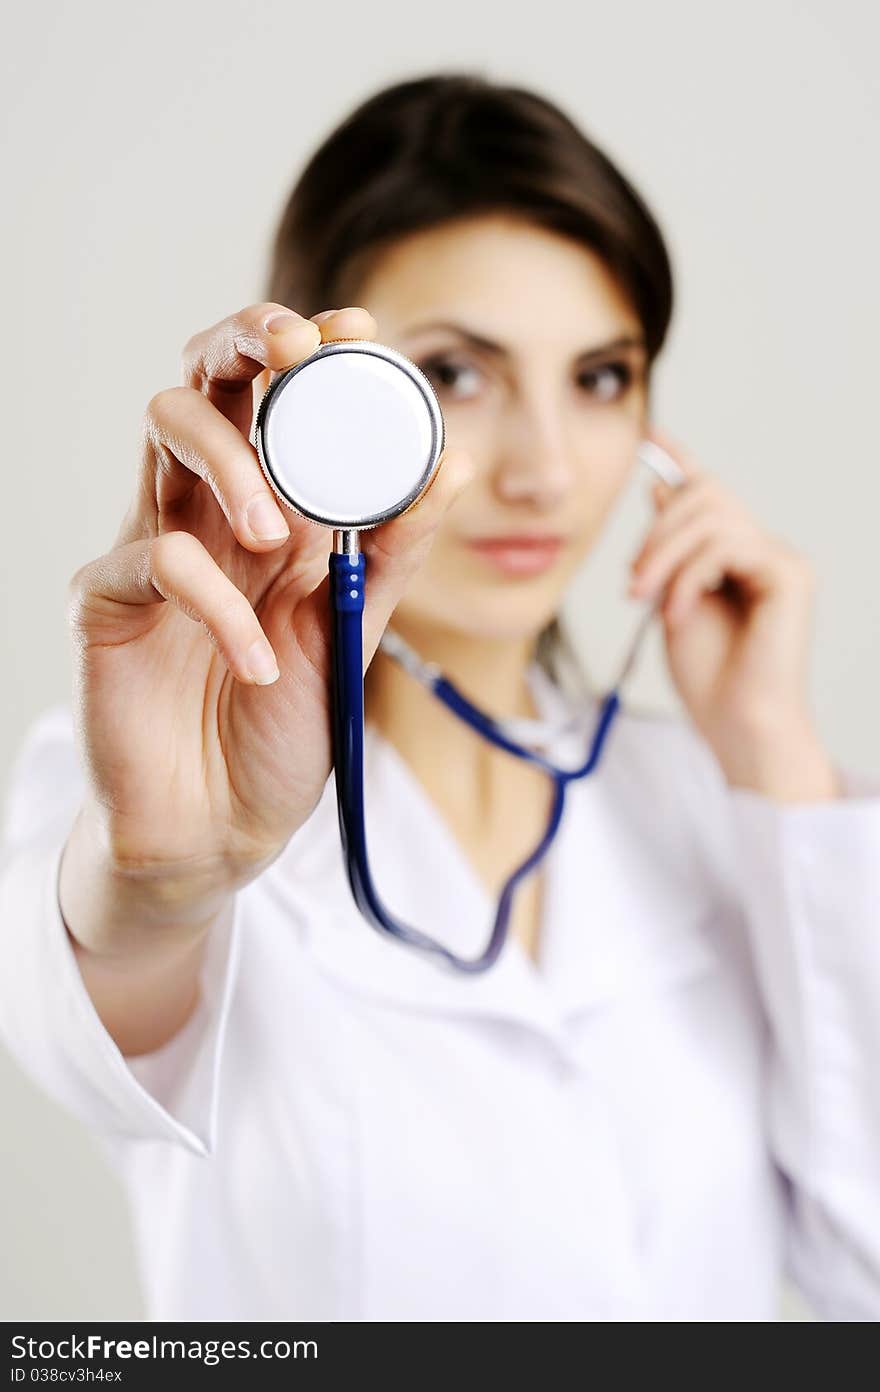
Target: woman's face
539	366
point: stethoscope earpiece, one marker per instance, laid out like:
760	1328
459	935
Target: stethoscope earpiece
661	463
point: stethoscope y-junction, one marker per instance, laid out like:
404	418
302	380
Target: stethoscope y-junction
352	437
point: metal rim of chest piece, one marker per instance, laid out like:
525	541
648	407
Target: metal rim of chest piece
344	445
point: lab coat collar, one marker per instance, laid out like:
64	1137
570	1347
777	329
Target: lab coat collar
593	940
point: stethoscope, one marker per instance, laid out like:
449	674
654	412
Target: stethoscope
351	437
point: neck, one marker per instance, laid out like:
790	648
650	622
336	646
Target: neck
491	672
495	805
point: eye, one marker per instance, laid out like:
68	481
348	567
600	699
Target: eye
606	382
452	376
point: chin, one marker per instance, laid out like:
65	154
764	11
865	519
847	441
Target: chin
498	622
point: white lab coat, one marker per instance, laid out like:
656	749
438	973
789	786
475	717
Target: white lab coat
677	1108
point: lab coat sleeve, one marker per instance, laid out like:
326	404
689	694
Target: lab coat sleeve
808	883
47	1019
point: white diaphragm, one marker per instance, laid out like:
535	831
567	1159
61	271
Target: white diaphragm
351	436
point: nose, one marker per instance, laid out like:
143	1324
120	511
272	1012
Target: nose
534	461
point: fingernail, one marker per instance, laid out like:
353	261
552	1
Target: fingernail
325	314
282	321
265	519
261	663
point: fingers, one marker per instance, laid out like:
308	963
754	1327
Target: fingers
199	431
696	550
699	558
704	570
757	564
684	458
175	568
187	440
676	506
702	540
222	362
353	322
685	522
699	534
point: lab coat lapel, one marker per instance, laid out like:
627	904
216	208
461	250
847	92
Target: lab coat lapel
625	908
598	940
423	877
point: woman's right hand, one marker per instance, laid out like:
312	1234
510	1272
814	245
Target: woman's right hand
201	765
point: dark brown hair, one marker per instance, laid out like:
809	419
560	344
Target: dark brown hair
450	145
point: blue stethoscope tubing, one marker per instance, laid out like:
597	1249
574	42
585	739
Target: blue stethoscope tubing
347	585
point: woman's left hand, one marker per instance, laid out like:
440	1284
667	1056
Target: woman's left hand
736	604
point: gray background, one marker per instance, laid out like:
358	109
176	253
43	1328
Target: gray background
146	153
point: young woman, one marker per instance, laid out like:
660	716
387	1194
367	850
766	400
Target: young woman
662	1097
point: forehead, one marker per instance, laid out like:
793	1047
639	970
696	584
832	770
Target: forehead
505	276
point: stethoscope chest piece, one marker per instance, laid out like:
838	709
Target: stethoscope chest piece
352	436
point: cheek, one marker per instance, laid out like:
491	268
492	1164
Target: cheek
607	458
612	435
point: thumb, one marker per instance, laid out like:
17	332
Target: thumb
419	522
396	550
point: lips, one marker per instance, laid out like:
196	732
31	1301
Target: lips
519	539
518	555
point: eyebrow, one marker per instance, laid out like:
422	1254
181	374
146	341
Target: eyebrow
488	345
